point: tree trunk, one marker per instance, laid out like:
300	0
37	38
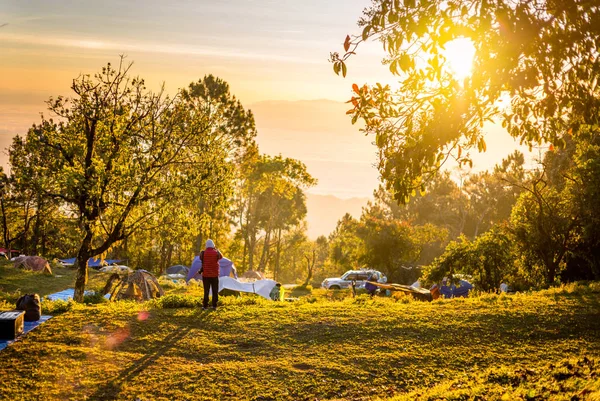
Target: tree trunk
163	258
277	256
310	265
82	266
169	255
251	247
5	230
263	258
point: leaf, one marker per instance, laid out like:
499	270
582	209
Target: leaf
355	89
336	67
347	43
344	69
365	32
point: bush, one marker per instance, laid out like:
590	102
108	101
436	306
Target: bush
56	307
95	298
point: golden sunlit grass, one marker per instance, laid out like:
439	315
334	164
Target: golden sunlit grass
523	346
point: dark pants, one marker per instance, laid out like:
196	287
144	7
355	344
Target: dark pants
210	282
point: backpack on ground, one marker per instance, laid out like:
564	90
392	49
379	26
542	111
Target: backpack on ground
31	304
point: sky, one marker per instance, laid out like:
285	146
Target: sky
272	53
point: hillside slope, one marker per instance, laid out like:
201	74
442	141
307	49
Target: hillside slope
543	345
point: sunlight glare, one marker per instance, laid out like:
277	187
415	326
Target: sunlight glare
459	54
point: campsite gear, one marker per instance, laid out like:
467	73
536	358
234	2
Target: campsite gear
435	292
210	284
226	268
371	287
194	269
417	293
454	291
259	287
92	262
140	285
115	268
210	262
30	303
178	269
34	263
11	324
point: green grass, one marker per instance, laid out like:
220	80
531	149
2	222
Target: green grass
16	282
543	345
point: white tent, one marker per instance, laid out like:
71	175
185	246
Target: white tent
260	287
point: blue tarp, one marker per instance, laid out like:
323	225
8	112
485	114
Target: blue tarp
454	291
91	262
65	295
27	326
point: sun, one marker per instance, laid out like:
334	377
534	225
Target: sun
459	54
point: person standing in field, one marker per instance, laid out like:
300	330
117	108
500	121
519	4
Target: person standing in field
210	273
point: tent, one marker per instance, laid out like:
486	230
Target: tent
178	269
115	269
91	262
35	263
253	275
140	285
260	287
227	268
453	291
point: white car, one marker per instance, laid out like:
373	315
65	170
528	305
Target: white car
360	276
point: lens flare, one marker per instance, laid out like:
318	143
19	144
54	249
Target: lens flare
459	54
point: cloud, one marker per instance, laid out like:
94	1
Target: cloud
144	47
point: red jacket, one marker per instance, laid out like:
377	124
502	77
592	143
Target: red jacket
210	262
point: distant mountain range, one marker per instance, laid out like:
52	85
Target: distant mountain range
324	211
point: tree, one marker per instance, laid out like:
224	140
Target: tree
540	54
345	247
489	260
545	228
270	201
118	153
315	257
394	246
443	204
584	187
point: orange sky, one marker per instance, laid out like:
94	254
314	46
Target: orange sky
267	50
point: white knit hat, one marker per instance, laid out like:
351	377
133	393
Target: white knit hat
210	243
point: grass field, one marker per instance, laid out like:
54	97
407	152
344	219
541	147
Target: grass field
544	345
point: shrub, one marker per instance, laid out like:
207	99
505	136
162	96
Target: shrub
56	307
95	298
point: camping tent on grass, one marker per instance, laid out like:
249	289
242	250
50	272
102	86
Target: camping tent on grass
178	269
139	285
92	262
34	263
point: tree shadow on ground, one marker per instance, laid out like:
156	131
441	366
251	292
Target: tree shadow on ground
112	388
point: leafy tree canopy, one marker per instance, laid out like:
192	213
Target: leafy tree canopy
541	55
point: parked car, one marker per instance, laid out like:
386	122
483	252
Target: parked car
345	281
